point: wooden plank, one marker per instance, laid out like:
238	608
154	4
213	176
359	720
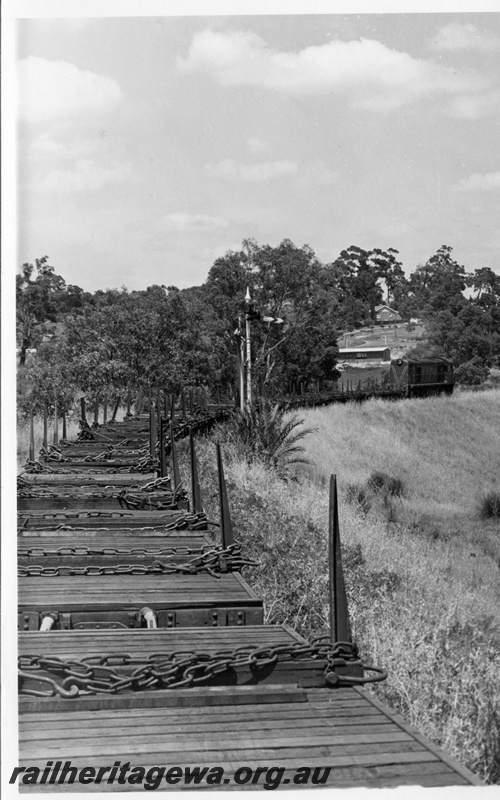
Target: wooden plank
271	729
283	720
180	698
130	480
95	540
78	644
433	748
229	758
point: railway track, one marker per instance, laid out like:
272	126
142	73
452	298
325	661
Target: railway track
142	646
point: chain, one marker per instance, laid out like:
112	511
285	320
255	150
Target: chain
84	550
214	562
101	674
190	522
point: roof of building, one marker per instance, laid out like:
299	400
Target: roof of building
362	349
384	305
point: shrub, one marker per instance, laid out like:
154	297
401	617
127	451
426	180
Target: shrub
381	482
357	494
269	434
472	373
489	505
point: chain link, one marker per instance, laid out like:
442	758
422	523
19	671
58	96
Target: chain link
192	522
99	674
214	562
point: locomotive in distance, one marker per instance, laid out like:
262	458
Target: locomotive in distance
420	377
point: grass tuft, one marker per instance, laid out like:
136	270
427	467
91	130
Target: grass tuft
357	495
385	484
489	505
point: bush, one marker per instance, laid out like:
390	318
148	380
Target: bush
382	482
357	494
268	434
489	505
472	373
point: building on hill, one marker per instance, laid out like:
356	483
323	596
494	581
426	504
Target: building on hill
364	353
385	313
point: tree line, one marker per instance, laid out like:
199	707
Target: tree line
106	341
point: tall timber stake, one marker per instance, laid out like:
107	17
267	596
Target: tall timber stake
339	611
64	431
225	517
195	485
175	464
129	401
96	410
105	409
82	409
32	438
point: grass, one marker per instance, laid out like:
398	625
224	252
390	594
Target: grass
422	571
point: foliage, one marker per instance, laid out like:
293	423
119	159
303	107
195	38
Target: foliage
268	434
108	340
45	299
489	505
471	373
386	484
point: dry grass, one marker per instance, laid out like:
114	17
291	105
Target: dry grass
422	571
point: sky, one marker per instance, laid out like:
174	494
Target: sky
147	147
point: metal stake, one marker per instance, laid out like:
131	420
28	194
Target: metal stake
163	455
115	410
339	611
225	517
55	438
195	486
152	431
32	438
45	439
175	464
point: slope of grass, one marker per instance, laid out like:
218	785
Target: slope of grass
422	568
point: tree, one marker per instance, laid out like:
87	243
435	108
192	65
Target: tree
46	298
288	282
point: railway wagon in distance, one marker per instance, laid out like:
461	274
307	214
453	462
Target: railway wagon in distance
421	377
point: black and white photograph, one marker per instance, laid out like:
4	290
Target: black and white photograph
251	379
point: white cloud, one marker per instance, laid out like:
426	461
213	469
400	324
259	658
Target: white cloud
86	175
258	147
479	183
474	106
50	90
194	222
462	36
263	171
367	72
